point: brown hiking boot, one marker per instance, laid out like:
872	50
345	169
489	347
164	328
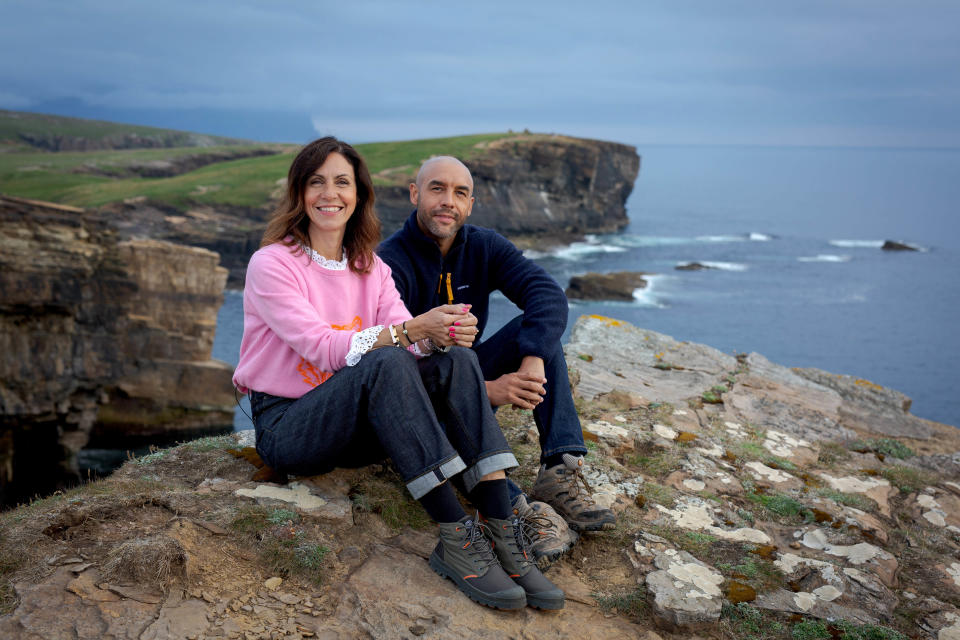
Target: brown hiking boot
564	488
548	534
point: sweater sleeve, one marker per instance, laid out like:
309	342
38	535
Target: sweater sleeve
390	307
535	292
278	298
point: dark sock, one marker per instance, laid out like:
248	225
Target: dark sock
442	505
492	498
554	460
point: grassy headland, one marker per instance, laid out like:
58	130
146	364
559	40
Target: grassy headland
95	178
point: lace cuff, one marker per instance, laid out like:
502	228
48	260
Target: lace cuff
361	342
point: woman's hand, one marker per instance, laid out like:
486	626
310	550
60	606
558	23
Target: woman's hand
446	325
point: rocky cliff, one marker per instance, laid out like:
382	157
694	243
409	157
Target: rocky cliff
553	186
100	338
754	501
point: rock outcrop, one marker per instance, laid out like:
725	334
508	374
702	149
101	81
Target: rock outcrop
893	245
101	338
619	285
749	505
548	186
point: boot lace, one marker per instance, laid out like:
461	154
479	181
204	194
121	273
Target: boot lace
477	545
574	478
521	536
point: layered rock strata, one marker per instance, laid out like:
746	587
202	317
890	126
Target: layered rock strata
544	186
100	337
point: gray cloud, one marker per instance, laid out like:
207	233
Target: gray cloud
853	72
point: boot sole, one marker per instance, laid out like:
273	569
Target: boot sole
546	603
591	526
486	599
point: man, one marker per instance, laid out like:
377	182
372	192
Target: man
437	259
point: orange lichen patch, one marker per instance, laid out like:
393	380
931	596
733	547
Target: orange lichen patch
810	480
590	436
247	453
586	357
821	516
765	551
640	500
610	322
860	382
729	457
686	436
870	472
738	592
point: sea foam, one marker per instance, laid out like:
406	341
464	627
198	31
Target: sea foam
868	244
823	257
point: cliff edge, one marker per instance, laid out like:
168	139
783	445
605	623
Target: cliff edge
753	501
549	186
100	338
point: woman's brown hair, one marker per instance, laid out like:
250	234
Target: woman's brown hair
290	219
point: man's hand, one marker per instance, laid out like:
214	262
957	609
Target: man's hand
523	389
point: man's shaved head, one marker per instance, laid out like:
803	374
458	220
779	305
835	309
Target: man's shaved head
441	161
443	195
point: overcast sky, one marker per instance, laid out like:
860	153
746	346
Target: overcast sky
832	72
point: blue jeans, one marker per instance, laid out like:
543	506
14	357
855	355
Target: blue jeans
431	417
556	417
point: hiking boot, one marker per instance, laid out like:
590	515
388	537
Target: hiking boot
548	534
464	555
510	545
560	487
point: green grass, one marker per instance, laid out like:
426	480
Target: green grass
632	603
780	504
247	182
886	446
750	623
408	155
657	463
908	479
855	500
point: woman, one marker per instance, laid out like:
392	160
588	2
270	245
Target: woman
329	386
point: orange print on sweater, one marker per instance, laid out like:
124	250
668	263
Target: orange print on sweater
311	375
315	377
354	325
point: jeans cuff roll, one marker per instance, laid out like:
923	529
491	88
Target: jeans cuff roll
435	476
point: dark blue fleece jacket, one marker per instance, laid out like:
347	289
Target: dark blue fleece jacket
479	262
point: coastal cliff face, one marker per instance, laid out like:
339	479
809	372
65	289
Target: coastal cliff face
753	501
100	338
549	186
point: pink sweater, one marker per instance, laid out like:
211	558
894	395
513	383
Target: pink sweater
298	319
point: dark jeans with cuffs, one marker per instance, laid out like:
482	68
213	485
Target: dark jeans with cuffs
556	417
431	417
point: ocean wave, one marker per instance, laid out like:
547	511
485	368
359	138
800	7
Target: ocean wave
721	238
646	296
575	251
868	244
759	237
824	257
710	264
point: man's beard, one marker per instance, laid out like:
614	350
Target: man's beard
444	231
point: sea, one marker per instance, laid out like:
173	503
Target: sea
793	236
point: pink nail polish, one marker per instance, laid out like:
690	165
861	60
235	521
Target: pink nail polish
456	324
